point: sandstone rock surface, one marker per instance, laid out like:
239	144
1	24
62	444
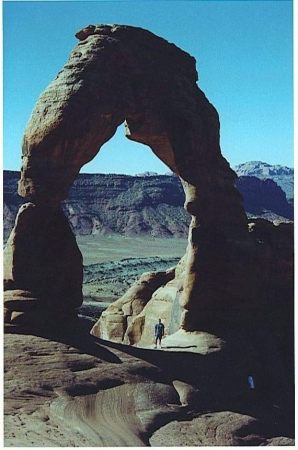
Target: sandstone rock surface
114	323
43	268
161	302
225	428
112	394
125	74
271	295
72	390
65	397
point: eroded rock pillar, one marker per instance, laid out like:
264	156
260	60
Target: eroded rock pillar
218	241
43	270
215	272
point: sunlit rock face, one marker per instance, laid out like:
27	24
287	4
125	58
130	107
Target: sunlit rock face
119	74
270	271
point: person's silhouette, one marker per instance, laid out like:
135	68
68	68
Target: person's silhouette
159	332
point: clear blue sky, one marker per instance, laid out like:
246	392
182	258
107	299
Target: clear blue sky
244	59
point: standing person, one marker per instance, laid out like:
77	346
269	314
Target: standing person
251	383
159	332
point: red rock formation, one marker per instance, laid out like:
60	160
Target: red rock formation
122	74
43	270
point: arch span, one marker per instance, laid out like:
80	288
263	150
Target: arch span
119	74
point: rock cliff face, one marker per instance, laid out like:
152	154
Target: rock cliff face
265	199
271	304
153	205
282	175
127	205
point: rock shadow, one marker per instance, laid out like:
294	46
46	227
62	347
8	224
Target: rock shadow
220	381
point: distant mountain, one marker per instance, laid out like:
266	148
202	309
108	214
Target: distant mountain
265	199
282	175
100	203
146	174
11	200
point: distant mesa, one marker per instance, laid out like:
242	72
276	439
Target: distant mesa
154	174
146	174
144	204
282	175
264	198
156	204
263	169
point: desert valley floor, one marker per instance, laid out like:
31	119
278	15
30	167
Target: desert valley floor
112	263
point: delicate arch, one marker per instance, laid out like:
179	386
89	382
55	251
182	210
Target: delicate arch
125	74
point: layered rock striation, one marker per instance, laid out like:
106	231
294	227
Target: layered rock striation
74	390
127	205
149	205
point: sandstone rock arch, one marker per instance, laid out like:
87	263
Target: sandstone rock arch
119	74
